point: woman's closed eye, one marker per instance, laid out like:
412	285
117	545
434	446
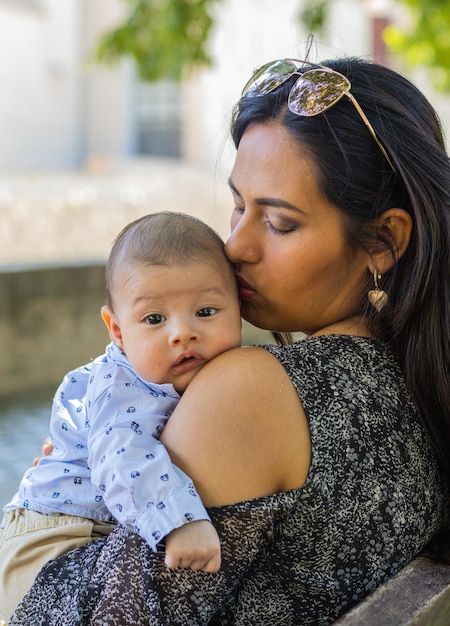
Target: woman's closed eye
281	227
277	223
237	213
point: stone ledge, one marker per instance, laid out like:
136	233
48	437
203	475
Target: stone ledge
63	218
419	595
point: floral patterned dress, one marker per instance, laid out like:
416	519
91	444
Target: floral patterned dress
373	498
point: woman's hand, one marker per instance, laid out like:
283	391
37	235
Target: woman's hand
46	449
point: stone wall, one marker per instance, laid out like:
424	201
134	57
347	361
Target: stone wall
49	323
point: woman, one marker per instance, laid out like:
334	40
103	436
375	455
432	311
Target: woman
324	463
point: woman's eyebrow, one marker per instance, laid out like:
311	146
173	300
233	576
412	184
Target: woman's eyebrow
275	202
233	187
278	202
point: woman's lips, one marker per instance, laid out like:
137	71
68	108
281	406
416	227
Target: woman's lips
246	292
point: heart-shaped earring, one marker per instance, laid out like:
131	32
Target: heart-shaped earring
377	297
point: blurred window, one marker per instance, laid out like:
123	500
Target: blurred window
159	118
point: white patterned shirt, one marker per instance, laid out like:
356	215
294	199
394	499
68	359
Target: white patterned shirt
107	462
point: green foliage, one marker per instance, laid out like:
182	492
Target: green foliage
166	36
426	42
162	36
314	16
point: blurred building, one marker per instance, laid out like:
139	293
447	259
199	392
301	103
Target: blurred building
58	110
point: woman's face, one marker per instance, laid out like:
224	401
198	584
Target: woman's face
295	269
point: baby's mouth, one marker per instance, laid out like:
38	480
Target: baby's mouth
186	362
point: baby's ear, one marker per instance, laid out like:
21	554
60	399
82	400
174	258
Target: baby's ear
113	326
395	225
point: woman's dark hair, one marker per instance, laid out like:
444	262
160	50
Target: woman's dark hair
355	176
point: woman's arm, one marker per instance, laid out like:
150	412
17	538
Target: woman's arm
119	580
240	431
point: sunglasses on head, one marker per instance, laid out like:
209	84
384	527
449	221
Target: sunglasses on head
315	91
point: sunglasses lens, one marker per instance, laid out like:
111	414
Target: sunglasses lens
269	77
316	91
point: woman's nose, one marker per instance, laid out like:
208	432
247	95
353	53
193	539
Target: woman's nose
241	245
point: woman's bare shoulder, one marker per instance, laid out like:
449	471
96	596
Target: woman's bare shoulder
244	371
239	360
239	430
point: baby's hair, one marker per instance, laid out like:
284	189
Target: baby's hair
165	238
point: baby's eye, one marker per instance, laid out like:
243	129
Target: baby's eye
206	311
155	318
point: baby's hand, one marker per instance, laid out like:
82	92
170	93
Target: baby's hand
195	545
47	447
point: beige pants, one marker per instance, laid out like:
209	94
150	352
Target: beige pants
28	540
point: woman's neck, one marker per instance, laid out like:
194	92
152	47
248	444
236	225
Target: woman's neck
355	325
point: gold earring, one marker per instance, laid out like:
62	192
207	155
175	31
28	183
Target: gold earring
377	297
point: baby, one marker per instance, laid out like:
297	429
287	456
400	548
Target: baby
172	306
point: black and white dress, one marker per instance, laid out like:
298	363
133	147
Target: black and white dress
373	498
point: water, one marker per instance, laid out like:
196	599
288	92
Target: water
23	426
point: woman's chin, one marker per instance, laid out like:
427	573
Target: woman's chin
251	316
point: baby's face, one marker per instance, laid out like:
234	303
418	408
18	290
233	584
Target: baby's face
173	319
